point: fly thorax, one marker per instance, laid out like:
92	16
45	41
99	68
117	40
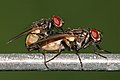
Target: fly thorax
36	31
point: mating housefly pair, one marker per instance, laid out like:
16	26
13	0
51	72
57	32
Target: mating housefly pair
41	36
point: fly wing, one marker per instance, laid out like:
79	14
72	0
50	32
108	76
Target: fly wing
19	35
53	38
23	33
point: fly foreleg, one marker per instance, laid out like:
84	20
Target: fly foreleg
102	50
97	52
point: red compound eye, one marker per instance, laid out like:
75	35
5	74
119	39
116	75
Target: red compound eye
56	20
94	33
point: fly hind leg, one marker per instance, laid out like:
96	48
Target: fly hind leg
44	57
45	62
60	51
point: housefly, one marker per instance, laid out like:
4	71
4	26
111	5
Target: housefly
73	40
40	30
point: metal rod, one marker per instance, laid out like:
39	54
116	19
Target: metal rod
62	62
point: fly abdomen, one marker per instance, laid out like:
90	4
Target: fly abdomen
52	46
31	39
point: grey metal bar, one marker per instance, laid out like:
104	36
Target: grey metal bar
62	62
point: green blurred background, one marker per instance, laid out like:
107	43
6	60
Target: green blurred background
16	15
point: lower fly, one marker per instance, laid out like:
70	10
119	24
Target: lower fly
73	40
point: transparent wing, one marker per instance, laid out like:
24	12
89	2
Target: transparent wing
19	35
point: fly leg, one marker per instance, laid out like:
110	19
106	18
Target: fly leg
45	61
44	57
54	56
96	52
60	51
79	60
74	47
59	29
102	50
50	31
